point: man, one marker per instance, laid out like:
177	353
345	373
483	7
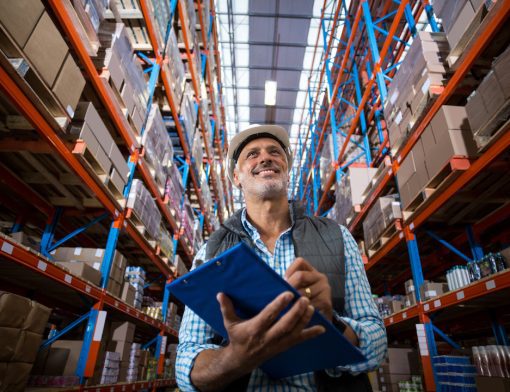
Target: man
315	255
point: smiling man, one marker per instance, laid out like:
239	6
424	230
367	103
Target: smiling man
315	255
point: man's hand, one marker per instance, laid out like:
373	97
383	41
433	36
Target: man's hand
312	284
253	341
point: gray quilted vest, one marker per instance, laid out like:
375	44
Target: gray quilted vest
320	242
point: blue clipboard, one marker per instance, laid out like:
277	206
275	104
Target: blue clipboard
251	284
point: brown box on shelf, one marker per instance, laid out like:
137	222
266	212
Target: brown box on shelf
71	362
119	162
128	293
409	286
431	289
83	270
123	331
462	22
395	306
14	376
20	18
87	113
476	111
410	300
27	347
123	348
127	95
13	310
37	318
492	94
46	49
492	384
8	341
114	287
501	67
401	360
117	180
69	85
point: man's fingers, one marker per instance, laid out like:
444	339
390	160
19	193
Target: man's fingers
299	264
289	320
227	310
269	314
303	279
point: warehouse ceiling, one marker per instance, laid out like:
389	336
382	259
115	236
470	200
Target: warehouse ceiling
263	40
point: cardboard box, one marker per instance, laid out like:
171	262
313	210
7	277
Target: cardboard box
431	289
476	111
82	270
128	293
123	331
462	22
74	347
9	338
20	18
450	117
124	349
492	384
492	94
501	67
14	309
37	318
27	347
402	361
46	49
118	161
69	85
15	376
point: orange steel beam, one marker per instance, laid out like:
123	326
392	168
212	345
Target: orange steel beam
377	68
30	112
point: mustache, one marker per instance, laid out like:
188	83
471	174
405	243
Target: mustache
269	166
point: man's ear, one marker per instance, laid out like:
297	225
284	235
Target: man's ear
237	183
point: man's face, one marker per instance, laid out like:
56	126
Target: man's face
261	169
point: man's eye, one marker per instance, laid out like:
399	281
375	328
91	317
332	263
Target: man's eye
251	154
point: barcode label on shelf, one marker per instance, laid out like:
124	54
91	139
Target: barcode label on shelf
116	304
7	248
112	389
401	235
404	315
491	284
42	265
411	226
426	307
87	288
437	303
460	295
68	278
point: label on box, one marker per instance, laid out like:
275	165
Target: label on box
7	248
99	252
431	293
97	266
70	111
394	97
77	251
398	118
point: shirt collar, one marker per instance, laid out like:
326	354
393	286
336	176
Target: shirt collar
252	230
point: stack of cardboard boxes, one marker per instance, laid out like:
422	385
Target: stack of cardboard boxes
170	361
447	135
136	278
388	305
87	262
487	107
101	150
160	12
126	74
174	192
422	71
166	244
188	114
158	150
456	17
121	343
400	365
145	210
383	214
111	368
48	66
175	68
428	291
22	323
197	152
349	192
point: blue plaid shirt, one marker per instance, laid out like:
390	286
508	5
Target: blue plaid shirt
360	310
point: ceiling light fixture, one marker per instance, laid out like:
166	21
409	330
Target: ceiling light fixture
270	93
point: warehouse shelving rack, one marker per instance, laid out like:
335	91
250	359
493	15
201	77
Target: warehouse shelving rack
378	51
38	263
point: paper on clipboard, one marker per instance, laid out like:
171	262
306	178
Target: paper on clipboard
251	284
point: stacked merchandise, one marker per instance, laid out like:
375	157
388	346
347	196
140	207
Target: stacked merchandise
158	150
401	364
493	367
22	323
179	266
92	14
175	68
152	368
166	244
431	290
111	368
170	361
161	14
413	85
488	106
446	136
456	17
145	210
413	385
188	114
454	373
198	155
197	235
120	344
388	305
349	192
101	151
126	73
143	364
188	222
380	220
134	363
170	315
462	275
40	55
174	192
136	277
128	293
87	262
206	196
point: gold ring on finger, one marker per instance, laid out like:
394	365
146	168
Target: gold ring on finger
308	292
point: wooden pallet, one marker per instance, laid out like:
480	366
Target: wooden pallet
453	169
387	234
494	129
140	227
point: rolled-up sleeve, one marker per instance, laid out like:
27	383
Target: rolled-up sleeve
195	336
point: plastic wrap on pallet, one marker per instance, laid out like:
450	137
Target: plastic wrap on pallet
136	277
349	191
145	208
192	18
157	133
176	65
166	243
187	114
161	13
197	235
423	69
188	219
206	195
383	213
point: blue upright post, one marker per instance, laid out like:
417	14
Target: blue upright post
49	232
476	248
432	20
408	12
